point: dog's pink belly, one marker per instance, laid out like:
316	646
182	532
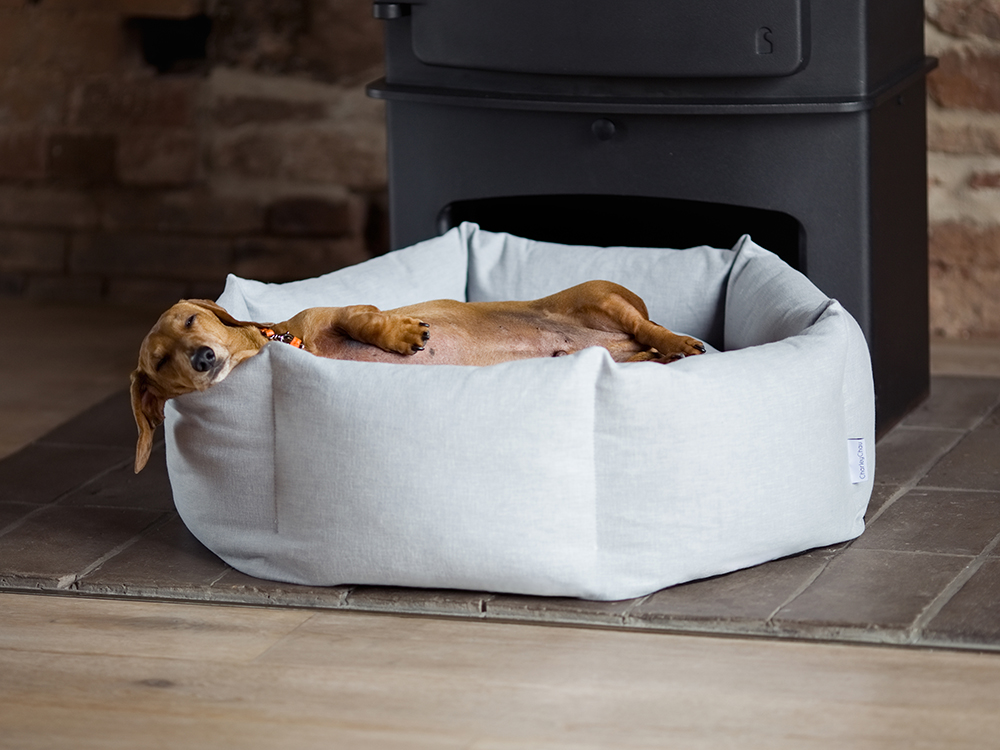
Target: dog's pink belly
456	347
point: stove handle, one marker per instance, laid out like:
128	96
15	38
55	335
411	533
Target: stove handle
389	11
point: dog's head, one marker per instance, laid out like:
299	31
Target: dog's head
195	344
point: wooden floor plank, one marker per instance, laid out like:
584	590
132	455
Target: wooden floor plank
147	629
168	675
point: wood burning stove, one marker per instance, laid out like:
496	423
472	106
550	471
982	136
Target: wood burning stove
670	123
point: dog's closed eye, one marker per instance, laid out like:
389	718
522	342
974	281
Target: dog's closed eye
163	361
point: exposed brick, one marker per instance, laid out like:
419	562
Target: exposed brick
160	8
164	8
32	251
967	78
314	217
330	39
964	245
48	207
331	156
254	155
984	180
78	41
347	149
22	155
158	157
964	18
343	39
242	110
84	159
964	277
150	256
953	132
257	34
279	259
181	211
160	102
964	304
337	156
351	151
32	96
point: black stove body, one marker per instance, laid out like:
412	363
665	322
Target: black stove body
674	123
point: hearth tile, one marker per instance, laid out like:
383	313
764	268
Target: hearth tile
906	453
972	464
942	521
747	596
870	590
971	616
956	403
417	601
56	545
881	494
557	609
166	560
43	473
108	423
122	487
237	587
11	512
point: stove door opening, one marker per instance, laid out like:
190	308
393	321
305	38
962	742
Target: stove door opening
631	221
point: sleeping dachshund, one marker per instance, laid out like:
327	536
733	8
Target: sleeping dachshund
196	343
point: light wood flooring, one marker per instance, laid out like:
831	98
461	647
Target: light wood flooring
87	673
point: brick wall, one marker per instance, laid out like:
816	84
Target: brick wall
149	147
964	166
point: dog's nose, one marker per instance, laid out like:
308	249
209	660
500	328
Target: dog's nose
203	359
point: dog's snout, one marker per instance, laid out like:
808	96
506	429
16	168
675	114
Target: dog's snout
203	359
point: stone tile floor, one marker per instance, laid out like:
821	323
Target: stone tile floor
75	520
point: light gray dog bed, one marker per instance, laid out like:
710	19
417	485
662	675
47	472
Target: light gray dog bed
569	476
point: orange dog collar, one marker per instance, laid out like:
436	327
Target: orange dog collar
284	338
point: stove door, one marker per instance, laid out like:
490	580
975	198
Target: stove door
621	38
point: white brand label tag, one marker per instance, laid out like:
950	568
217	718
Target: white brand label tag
857	459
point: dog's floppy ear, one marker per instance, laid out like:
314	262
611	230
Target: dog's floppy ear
147	408
221	313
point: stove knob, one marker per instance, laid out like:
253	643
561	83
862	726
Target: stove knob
603	129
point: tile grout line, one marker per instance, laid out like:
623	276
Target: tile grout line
900	491
626	617
769	620
72	580
913	483
930	427
921	472
972	490
18	522
946	594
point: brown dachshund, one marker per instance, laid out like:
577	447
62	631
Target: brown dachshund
196	343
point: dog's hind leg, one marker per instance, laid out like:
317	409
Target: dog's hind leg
608	306
651	334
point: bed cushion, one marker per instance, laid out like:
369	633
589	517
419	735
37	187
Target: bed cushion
570	476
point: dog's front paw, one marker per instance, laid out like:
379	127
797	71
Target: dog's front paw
412	335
